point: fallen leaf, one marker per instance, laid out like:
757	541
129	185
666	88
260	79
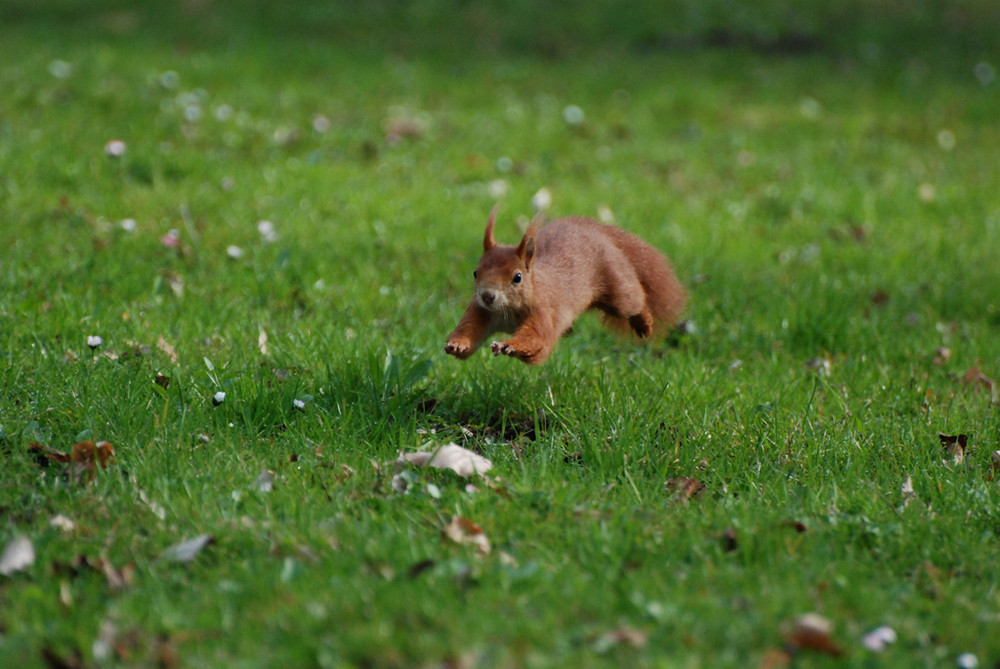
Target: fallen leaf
419	568
264	482
404	127
186	551
821	366
623	636
796	525
907	491
162	380
451	456
464	531
84	457
879	638
811	632
942	354
974	377
880	297
954	446
18	555
166	348
729	540
684	488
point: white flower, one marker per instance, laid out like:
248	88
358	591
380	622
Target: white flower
573	115
128	225
320	123
60	69
542	200
498	188
946	139
170	79
299	404
984	73
266	230
115	148
218	398
93	341
967	661
234	252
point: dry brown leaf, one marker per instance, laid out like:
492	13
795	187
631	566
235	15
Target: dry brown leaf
974	377
942	354
404	127
729	540
451	456
166	348
623	636
811	632
954	446
464	531
684	488
82	460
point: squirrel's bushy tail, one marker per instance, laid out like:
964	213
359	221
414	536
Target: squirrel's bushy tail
665	295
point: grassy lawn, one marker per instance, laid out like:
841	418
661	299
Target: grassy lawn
286	207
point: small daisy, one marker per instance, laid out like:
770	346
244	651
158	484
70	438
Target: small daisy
93	341
542	200
573	115
218	398
115	148
266	230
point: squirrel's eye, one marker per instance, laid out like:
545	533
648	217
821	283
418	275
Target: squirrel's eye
475	274
517	278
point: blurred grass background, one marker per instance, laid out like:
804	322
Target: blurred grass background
873	28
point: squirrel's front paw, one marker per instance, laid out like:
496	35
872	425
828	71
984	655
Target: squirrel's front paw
459	348
505	348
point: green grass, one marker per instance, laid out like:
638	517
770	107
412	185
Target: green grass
825	193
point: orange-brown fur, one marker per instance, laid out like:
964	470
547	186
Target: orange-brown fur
566	267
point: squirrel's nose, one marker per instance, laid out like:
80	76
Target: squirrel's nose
488	296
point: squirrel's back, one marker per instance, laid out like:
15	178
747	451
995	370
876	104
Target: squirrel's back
593	258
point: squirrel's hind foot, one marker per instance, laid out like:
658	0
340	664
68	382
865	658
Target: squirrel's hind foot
642	323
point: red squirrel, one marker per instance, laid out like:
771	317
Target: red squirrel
536	289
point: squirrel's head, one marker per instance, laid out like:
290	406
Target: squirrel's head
504	274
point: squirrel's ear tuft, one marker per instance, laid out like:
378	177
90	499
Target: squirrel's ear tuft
526	249
488	240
